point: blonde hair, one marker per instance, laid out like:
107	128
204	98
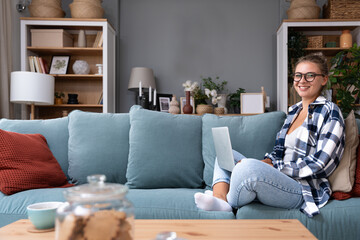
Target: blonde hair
320	60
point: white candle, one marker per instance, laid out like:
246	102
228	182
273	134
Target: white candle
140	93
150	94
155	97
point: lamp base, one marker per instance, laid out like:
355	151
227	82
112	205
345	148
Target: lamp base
32	116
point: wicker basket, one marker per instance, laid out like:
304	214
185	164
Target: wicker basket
342	9
82	10
320	41
44	11
91	2
304	12
54	3
202	109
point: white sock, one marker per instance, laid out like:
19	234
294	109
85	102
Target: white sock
209	203
209	192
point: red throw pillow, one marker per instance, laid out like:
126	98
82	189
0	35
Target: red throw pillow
355	191
26	162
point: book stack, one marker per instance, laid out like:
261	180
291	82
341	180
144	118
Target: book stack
98	40
38	64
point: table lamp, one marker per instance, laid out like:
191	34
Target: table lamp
32	88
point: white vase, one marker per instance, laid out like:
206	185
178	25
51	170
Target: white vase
81	67
222	102
81	39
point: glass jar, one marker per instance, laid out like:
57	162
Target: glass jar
96	210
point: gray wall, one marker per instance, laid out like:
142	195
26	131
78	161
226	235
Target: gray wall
187	39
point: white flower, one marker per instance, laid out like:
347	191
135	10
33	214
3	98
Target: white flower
190	86
207	92
215	100
213	93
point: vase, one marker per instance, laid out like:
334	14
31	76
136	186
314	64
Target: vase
81	39
346	39
174	106
187	109
222	102
81	67
203	108
72	98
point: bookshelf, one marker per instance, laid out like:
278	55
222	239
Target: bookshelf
309	27
89	87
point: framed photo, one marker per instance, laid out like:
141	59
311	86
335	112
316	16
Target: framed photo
163	102
252	103
59	64
183	102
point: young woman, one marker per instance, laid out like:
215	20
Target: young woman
307	150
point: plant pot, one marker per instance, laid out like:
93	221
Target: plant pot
222	102
58	101
203	108
219	110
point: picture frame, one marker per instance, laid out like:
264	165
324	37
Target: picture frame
162	100
183	102
164	104
252	103
59	64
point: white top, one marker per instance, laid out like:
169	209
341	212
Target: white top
290	140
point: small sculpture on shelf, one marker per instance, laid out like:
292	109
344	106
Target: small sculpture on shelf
174	106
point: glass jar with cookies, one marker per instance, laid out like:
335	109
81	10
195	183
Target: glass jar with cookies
96	210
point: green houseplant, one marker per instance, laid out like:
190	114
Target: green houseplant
297	43
345	78
235	99
58	97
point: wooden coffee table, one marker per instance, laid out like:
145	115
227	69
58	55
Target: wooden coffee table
188	229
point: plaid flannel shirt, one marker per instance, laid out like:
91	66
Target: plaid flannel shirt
316	154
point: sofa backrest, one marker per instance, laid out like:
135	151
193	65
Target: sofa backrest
54	130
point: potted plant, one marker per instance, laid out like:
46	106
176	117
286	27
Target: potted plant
58	97
235	100
345	78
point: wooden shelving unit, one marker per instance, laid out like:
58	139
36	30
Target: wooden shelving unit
89	87
308	27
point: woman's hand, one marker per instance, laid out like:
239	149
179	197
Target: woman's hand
268	161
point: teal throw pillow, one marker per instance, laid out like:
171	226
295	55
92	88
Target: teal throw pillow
98	144
252	136
165	150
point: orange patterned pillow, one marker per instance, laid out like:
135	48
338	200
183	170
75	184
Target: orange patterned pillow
355	192
26	162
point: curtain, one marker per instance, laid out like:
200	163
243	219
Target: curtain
5	58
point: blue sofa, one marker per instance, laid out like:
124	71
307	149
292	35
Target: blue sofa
164	159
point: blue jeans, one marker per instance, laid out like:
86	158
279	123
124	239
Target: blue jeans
252	179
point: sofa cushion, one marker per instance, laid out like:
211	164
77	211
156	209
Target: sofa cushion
26	162
252	136
175	203
98	144
165	150
54	130
337	219
342	179
13	207
355	191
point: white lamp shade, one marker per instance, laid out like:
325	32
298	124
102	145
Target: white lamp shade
143	75
32	88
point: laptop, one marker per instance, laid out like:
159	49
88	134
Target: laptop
223	148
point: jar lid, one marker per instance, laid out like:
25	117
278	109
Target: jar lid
96	190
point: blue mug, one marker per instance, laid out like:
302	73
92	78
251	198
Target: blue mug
42	215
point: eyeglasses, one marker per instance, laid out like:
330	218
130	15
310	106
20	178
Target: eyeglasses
309	76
